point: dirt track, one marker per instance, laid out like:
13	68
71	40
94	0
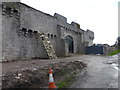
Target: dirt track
33	63
34	74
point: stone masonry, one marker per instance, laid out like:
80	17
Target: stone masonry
23	27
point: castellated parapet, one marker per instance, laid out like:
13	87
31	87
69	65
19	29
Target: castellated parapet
24	26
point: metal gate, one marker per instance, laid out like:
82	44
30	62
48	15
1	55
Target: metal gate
94	50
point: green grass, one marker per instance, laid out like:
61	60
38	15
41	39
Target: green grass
114	52
65	82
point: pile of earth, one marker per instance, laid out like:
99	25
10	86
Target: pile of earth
39	77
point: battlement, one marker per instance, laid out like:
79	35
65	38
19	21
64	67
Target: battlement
23	24
76	25
11	9
88	37
60	18
91	34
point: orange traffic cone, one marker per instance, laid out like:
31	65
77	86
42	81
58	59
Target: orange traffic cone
51	80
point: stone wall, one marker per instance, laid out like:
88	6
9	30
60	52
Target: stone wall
111	49
45	23
16	45
78	45
0	31
108	49
21	26
88	37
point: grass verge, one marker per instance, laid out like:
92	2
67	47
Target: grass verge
66	82
114	52
69	79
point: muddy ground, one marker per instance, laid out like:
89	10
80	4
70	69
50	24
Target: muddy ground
35	73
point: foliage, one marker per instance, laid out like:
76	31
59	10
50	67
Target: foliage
114	52
65	82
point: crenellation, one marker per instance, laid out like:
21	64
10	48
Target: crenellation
36	32
10	9
61	19
11	12
88	37
55	36
48	35
75	25
24	30
51	35
27	32
3	9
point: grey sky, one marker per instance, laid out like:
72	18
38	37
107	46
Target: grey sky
100	16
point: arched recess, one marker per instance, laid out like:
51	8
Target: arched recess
69	44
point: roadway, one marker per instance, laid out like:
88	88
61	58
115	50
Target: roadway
101	72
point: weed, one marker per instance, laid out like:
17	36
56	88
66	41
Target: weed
114	52
66	82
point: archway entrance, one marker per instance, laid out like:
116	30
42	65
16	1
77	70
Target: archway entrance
69	44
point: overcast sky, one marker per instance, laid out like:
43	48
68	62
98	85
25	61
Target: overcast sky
100	16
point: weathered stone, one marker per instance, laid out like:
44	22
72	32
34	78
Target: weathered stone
18	34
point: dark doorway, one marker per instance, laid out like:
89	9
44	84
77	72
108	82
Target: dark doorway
70	44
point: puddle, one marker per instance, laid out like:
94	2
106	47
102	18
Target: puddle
110	62
114	66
